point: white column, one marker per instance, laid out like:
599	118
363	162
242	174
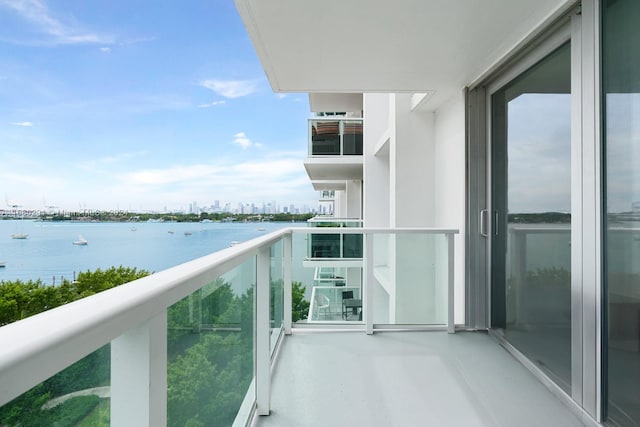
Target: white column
263	334
139	375
451	323
288	253
368	283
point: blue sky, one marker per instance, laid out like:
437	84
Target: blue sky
131	104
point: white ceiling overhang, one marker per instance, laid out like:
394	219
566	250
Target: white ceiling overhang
354	46
334	168
320	102
339	185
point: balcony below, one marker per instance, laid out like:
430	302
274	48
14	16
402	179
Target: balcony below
406	379
335	149
331	169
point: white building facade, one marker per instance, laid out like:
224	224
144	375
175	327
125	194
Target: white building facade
515	122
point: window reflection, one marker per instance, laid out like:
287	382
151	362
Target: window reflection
621	85
531	137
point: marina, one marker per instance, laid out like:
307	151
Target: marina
55	250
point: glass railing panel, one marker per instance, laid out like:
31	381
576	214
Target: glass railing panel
210	343
76	396
411	279
336	137
276	282
302	278
321	280
335	304
325	137
352	245
330	276
352	137
539	296
331	221
336	245
325	245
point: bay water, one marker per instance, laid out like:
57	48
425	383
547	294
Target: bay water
49	253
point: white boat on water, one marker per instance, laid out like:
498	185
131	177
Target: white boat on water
234	242
19	236
3	264
81	241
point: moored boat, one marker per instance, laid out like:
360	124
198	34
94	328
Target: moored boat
81	241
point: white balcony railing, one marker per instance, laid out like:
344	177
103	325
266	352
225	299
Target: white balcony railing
163	329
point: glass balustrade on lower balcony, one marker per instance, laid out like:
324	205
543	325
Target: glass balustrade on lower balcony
335	137
337	244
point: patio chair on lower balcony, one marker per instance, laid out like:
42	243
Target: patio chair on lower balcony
350	305
322	302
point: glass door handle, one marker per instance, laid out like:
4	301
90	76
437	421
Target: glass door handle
483	223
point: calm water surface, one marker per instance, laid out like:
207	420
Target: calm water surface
49	251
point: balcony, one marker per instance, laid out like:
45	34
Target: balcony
335	149
335	137
195	344
335	247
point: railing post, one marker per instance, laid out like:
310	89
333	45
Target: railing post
288	254
263	333
341	136
139	375
451	322
368	283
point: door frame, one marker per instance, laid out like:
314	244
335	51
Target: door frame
582	27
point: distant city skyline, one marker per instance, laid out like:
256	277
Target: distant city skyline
114	104
217	206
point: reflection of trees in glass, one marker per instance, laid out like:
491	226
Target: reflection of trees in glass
552	276
211	355
540	218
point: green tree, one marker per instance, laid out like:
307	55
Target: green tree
19	300
299	305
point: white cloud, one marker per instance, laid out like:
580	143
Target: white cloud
281	95
37	12
213	104
231	88
105	49
23	124
281	177
241	139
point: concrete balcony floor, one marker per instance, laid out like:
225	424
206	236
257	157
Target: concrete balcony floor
406	379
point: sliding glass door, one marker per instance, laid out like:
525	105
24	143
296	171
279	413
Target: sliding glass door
621	96
531	218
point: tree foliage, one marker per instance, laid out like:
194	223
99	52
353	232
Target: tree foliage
210	348
300	306
19	300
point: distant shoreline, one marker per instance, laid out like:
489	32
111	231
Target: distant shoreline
224	217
